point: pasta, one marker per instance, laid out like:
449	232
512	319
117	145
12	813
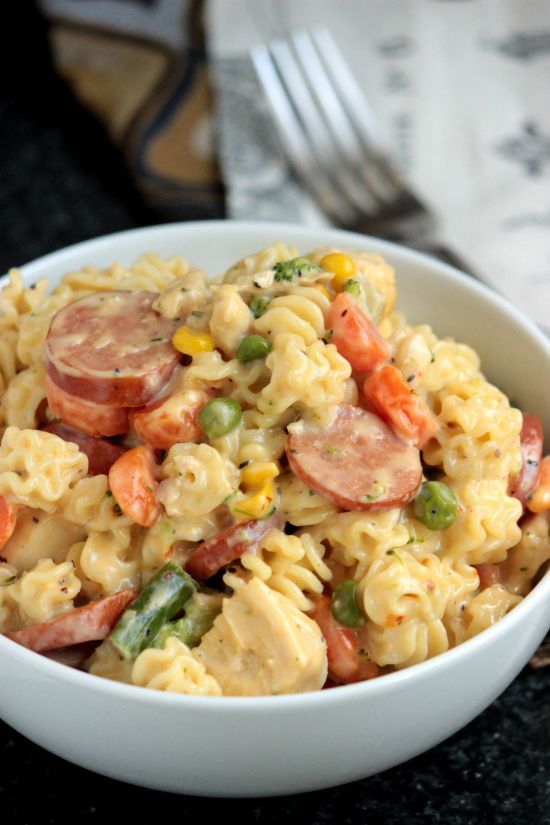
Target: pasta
291	565
258	484
37	469
175	669
45	591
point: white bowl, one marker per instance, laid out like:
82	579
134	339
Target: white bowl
279	745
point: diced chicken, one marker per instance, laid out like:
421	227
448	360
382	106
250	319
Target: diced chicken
231	319
184	295
261	644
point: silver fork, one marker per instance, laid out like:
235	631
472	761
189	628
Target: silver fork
333	141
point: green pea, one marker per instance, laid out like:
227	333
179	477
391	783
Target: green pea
435	505
258	305
220	416
352	286
344	604
253	347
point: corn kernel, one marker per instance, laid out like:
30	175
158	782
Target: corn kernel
323	290
190	342
257	473
257	505
342	267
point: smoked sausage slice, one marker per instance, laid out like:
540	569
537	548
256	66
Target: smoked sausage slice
226	546
90	623
101	454
531	438
345	664
356	463
86	416
112	348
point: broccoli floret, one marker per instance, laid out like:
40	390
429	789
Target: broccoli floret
352	286
290	270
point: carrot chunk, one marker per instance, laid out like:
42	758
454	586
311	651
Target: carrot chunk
132	479
8	516
539	500
356	338
388	394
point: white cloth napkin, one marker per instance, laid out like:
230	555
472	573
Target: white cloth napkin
461	90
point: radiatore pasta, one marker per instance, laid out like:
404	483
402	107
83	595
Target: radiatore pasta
264	483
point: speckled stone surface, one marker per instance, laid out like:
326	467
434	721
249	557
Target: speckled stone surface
60	182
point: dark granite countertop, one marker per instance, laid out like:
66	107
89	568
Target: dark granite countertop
60	183
496	770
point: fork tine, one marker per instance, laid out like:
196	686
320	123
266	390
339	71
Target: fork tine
293	135
313	95
296	82
337	120
348	88
350	95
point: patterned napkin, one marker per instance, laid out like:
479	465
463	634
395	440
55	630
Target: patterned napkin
461	90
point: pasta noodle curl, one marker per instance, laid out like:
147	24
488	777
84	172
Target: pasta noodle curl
291	565
46	591
38	468
174	669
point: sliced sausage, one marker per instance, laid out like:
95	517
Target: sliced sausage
90	623
86	416
522	486
75	656
172	420
488	573
101	454
356	463
112	348
226	546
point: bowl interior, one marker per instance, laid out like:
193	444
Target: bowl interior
515	355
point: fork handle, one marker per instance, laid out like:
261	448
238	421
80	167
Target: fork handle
444	253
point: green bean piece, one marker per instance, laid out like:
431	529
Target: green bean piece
352	286
252	347
258	305
220	416
161	599
344	604
435	505
200	612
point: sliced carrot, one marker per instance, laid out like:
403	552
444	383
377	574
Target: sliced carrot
388	394
132	479
356	338
540	498
8	516
345	663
